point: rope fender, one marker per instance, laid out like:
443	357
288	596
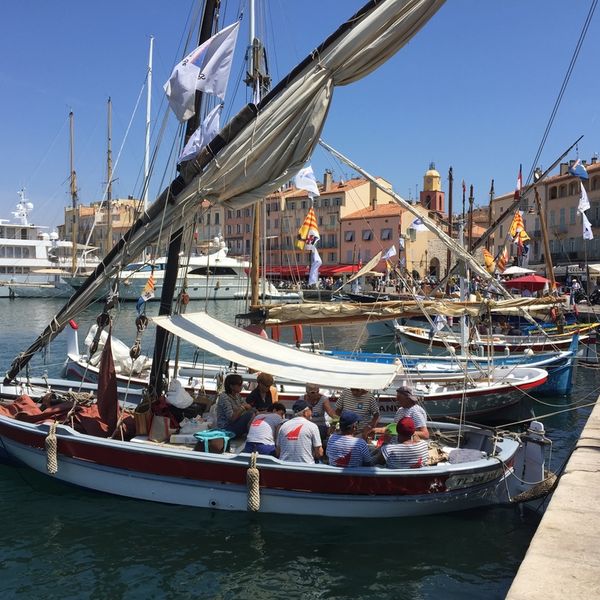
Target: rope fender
51	444
253	484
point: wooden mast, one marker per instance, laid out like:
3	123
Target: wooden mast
74	199
547	255
109	167
488	243
260	82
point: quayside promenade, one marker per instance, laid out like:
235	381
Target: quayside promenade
563	559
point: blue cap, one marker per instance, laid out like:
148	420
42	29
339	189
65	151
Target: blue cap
300	405
348	418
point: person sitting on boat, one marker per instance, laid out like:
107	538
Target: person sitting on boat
408	407
346	450
320	406
233	414
362	403
298	439
263	430
407	453
260	397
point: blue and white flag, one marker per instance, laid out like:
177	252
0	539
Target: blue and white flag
418	225
203	135
391	252
306	180
315	265
578	170
206	69
584	202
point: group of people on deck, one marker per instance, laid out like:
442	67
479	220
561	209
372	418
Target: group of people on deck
304	437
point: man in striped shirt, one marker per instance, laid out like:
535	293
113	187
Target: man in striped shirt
363	404
408	407
345	450
406	454
299	439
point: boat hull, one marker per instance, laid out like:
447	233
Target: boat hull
146	471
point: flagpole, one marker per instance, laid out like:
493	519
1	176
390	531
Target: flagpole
450	220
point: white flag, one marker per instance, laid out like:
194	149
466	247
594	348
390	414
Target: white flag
418	225
203	135
584	202
206	69
313	275
587	228
306	180
391	252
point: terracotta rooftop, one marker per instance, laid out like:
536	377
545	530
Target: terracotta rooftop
337	187
381	210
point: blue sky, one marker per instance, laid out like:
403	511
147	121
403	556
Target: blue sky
473	90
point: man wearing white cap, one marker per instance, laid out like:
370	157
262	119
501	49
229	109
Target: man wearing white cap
408	407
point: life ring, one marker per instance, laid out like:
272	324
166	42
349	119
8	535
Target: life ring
298	335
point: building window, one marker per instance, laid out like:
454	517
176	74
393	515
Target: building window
208	219
553	193
303	204
228	229
325	202
594	184
572	188
561	218
275	223
349	236
552	218
247	227
239	228
268	223
562	190
337	202
230	214
367	234
320	221
572	214
386	234
331	258
217	219
292	205
332	220
238	214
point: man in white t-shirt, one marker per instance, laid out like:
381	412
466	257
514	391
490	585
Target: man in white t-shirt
299	439
408	407
263	430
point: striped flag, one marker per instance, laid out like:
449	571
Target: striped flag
488	261
519	183
308	234
502	260
147	293
517	229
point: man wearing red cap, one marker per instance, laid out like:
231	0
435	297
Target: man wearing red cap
406	454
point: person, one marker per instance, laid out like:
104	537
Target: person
406	453
408	407
260	397
298	439
575	289
233	414
263	430
346	450
320	406
363	404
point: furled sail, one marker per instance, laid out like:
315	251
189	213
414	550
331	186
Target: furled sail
251	350
338	313
263	146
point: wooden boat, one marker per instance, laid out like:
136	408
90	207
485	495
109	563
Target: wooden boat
242	164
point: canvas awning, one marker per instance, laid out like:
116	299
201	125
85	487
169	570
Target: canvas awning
260	354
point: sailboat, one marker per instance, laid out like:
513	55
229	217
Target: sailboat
254	154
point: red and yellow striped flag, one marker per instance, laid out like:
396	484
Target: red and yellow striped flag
308	234
488	261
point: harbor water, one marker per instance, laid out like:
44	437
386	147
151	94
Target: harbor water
64	542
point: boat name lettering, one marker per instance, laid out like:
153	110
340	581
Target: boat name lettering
460	481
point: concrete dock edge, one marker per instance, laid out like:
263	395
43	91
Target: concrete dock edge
563	559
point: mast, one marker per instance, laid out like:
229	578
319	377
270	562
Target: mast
488	243
159	370
547	255
258	79
450	219
109	232
73	186
148	114
471	200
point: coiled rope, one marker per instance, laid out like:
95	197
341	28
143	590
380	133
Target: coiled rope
253	483
51	444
